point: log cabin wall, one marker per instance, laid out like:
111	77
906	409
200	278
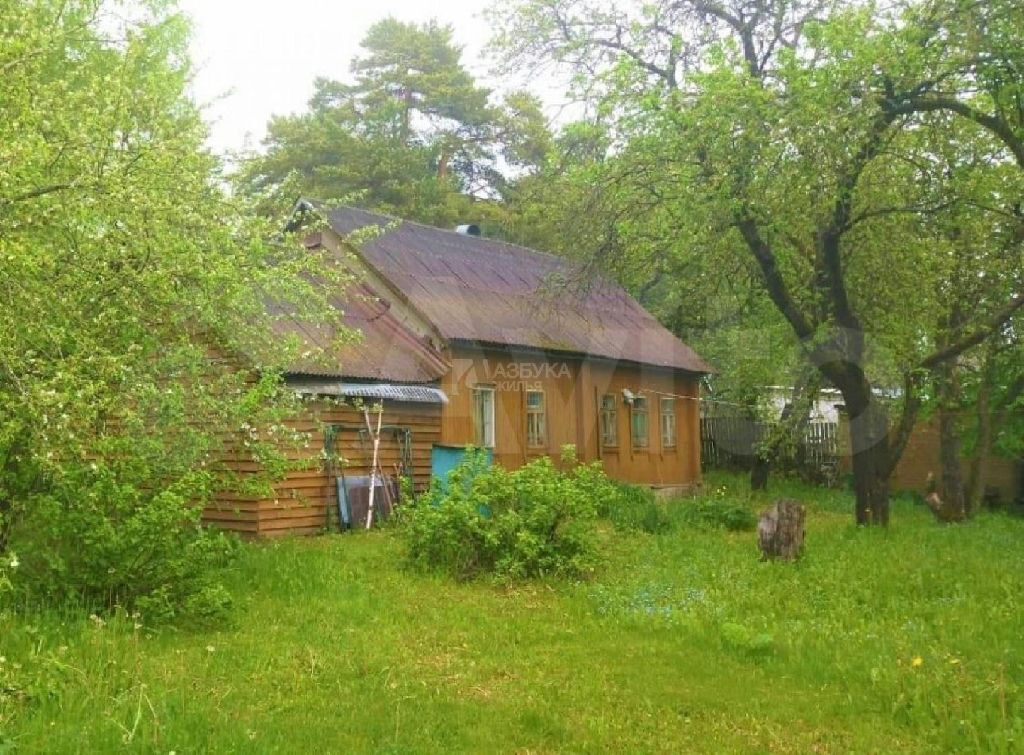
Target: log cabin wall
511	373
658	464
573	387
305	500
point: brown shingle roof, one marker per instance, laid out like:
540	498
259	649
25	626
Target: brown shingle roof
387	350
486	291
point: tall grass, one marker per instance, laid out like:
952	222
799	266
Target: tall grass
907	639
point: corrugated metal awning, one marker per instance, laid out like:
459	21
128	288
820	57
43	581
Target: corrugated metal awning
420	394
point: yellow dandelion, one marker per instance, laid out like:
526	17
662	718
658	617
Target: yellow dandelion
918	660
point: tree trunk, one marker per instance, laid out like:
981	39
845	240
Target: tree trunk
952	475
759	472
6	524
982	446
947	391
990	414
872	462
805	388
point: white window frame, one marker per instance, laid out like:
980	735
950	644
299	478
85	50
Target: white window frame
484	425
542	412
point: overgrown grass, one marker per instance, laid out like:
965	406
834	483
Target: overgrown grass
909	639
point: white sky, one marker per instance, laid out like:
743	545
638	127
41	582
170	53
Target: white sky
255	58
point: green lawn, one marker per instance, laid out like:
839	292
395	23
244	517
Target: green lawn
908	639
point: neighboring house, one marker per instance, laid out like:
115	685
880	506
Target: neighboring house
468	340
825	408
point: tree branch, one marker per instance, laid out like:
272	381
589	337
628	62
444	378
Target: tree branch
911	405
830	264
619	46
978	335
41	191
774	282
997	126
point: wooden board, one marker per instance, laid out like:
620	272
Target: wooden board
305	500
572	388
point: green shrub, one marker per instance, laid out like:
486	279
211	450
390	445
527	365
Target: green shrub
715	508
100	544
535	521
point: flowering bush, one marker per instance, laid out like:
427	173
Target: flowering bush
98	543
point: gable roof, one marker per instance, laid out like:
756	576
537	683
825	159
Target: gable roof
489	292
387	350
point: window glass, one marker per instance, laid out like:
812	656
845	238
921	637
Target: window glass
609	421
638	416
668	422
536	422
483	416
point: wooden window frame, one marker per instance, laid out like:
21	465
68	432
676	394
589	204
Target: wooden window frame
668	441
609	422
542	412
634	413
481	435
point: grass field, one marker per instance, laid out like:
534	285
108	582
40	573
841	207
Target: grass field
910	639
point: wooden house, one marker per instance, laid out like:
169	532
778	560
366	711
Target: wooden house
468	340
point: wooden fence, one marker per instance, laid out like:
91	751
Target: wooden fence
728	440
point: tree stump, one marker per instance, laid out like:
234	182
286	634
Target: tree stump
945	510
780	533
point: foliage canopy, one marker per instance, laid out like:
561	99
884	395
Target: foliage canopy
137	333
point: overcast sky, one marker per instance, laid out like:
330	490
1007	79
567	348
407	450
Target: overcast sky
262	55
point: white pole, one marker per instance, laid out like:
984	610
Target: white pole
373	468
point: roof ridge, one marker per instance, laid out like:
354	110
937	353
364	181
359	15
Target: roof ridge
429	227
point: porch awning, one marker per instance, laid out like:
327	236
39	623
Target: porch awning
420	394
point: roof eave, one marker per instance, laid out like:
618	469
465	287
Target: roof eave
579	355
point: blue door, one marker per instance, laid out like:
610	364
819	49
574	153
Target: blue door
443	459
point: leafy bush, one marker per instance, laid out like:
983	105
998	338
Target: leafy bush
535	521
101	544
716	508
